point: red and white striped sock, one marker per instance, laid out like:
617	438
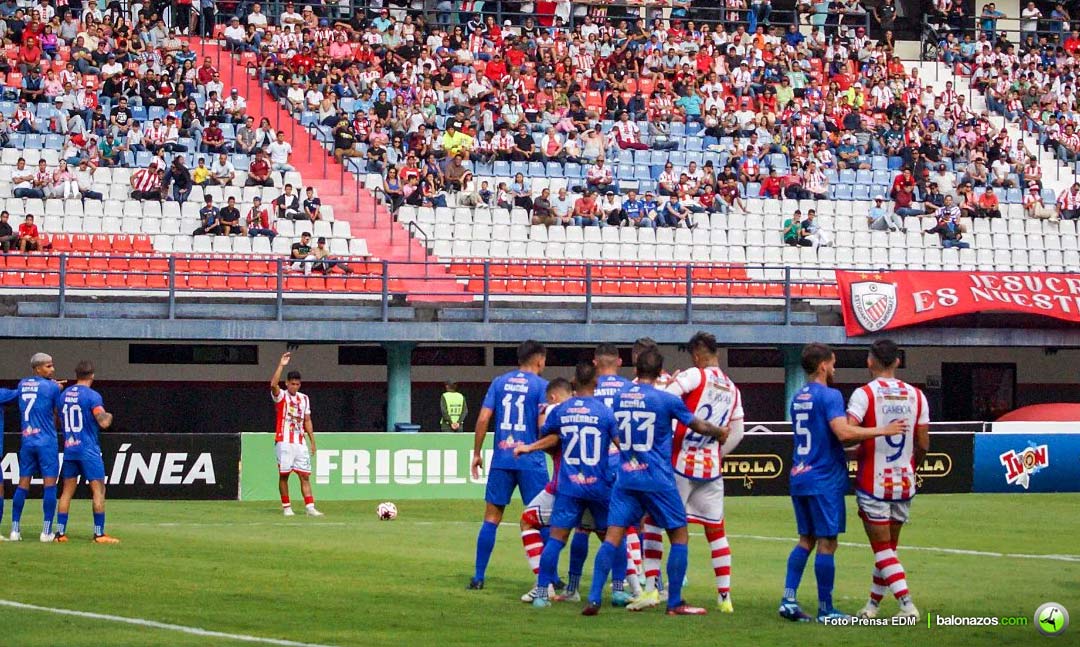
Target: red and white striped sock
652	544
877	587
721	557
633	550
285	501
890	569
309	501
534	545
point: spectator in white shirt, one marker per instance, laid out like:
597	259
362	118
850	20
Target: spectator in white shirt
222	172
598	177
279	154
563	206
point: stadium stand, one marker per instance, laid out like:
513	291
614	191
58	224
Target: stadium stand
441	139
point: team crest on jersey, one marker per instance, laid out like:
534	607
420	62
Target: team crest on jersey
874	304
1019	466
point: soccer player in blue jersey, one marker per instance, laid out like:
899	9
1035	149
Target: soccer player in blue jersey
83	415
6	395
646	480
39	400
583	427
513	404
819	479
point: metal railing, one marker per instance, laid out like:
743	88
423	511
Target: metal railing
171	281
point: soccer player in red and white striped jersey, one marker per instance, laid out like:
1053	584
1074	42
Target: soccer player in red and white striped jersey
294	436
885	481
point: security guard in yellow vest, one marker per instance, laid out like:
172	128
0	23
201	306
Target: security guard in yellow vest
452	409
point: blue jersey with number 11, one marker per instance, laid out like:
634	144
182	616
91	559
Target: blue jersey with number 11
644	414
514	399
818	465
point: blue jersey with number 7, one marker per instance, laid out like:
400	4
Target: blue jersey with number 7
515	399
818	465
39	398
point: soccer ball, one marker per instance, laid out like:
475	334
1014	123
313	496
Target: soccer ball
386	511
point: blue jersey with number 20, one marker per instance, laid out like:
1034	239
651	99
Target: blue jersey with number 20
39	398
818	464
514	399
644	414
585	428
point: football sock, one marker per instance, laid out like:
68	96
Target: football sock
99	524
18	500
796	564
890	569
601	570
545	532
676	573
309	502
825	572
618	568
652	544
633	547
579	552
721	557
285	501
485	543
48	508
534	545
61	522
549	563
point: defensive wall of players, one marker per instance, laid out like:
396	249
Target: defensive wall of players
963	457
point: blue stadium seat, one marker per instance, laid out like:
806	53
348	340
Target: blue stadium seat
536	169
309	119
625	157
138	113
863	176
695	156
228	130
678	129
155	112
715	158
753	189
642	158
1000	193
1014	196
484	168
647	185
16	140
709	142
54	142
642	173
348	104
677	158
882	177
142	159
847	176
896	163
7	108
33	141
1048	196
830	175
501	168
658	158
860	192
841	191
571	169
693	144
553	169
879	163
727	142
518	167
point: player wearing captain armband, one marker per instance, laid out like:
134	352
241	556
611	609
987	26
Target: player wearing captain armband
885	480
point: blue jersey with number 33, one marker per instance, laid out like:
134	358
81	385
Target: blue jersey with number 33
514	399
818	465
644	414
585	427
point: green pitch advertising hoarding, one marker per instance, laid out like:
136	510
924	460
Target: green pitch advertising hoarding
351	466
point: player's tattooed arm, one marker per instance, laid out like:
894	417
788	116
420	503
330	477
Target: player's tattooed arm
104	418
545	443
705	428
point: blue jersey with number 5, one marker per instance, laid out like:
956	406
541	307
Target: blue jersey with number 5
818	465
585	428
644	414
39	398
78	405
514	399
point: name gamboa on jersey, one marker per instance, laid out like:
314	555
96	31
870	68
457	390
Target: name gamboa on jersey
585	427
711	396
887	463
515	399
644	415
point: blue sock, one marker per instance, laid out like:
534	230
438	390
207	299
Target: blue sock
17	503
99	523
825	572
549	563
48	507
676	573
485	543
579	552
545	532
1	507
618	568
601	569
61	522
796	564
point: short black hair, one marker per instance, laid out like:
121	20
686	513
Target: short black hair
813	355
584	375
292	375
705	340
560	384
528	350
84	369
885	352
606	350
649	364
643	344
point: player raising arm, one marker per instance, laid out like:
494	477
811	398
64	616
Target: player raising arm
885	481
646	480
293	427
582	427
513	403
84	416
39	399
819	479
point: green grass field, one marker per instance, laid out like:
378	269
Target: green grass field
350	579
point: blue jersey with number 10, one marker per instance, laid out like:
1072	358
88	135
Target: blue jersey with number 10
818	464
644	414
78	406
39	398
585	428
514	399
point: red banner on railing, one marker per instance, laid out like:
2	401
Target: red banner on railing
874	301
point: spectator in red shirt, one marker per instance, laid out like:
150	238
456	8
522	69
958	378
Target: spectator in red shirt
259	171
495	69
205	73
213	138
586	211
28	235
903	181
771	186
1072	43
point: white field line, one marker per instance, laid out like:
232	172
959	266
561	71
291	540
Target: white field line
194	631
903	547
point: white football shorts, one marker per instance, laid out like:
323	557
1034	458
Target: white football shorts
876	511
704	500
292	457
